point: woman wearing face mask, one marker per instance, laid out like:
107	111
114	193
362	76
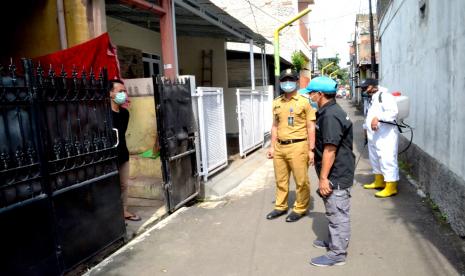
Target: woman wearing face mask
292	143
120	121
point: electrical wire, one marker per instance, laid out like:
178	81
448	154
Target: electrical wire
253	14
329	19
263	11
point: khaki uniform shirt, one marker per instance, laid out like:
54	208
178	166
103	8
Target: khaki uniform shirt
301	112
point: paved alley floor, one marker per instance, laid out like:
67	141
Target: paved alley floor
393	236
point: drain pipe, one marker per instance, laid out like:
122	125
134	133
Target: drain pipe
62	24
277	69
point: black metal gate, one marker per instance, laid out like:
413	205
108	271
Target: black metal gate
177	135
59	185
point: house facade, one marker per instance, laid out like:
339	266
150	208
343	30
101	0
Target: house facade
421	55
360	54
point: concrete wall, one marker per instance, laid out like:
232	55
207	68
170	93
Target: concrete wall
189	49
190	58
423	58
34	30
142	128
129	35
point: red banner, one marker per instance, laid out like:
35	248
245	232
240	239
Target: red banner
96	53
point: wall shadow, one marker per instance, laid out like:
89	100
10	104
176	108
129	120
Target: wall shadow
410	210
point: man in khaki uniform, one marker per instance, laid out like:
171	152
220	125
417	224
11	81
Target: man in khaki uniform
292	144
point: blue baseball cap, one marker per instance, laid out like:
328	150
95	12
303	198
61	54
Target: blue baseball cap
322	84
303	91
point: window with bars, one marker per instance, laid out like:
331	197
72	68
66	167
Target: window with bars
152	64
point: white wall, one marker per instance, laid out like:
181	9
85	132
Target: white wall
190	58
130	35
424	59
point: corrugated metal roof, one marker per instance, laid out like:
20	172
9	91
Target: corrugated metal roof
193	18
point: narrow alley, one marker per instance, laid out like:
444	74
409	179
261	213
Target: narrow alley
157	137
230	236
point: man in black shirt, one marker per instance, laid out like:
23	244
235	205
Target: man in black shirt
335	166
120	121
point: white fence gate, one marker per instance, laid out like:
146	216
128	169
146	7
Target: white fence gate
250	115
267	109
209	110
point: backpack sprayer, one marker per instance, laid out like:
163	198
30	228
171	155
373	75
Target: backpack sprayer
403	107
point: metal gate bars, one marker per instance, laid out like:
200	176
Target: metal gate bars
59	187
209	105
178	138
250	115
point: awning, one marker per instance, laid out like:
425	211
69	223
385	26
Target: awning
193	18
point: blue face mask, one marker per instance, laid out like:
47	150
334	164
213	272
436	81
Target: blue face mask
288	86
120	98
313	103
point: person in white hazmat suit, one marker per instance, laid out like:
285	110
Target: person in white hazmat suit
382	135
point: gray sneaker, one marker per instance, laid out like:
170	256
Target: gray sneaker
325	261
320	244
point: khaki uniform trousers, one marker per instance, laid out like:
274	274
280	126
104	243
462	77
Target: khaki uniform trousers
292	158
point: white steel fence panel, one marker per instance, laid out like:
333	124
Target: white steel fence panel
245	120
267	110
209	104
257	99
250	120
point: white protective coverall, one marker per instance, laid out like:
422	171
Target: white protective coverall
383	143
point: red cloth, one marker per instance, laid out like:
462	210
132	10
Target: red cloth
96	53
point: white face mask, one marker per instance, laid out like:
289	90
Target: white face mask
120	98
288	86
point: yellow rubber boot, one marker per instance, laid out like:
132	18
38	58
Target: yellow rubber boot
389	190
378	183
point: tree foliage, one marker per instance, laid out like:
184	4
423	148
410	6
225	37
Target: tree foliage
298	60
342	74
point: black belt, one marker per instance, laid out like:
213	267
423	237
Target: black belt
291	141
